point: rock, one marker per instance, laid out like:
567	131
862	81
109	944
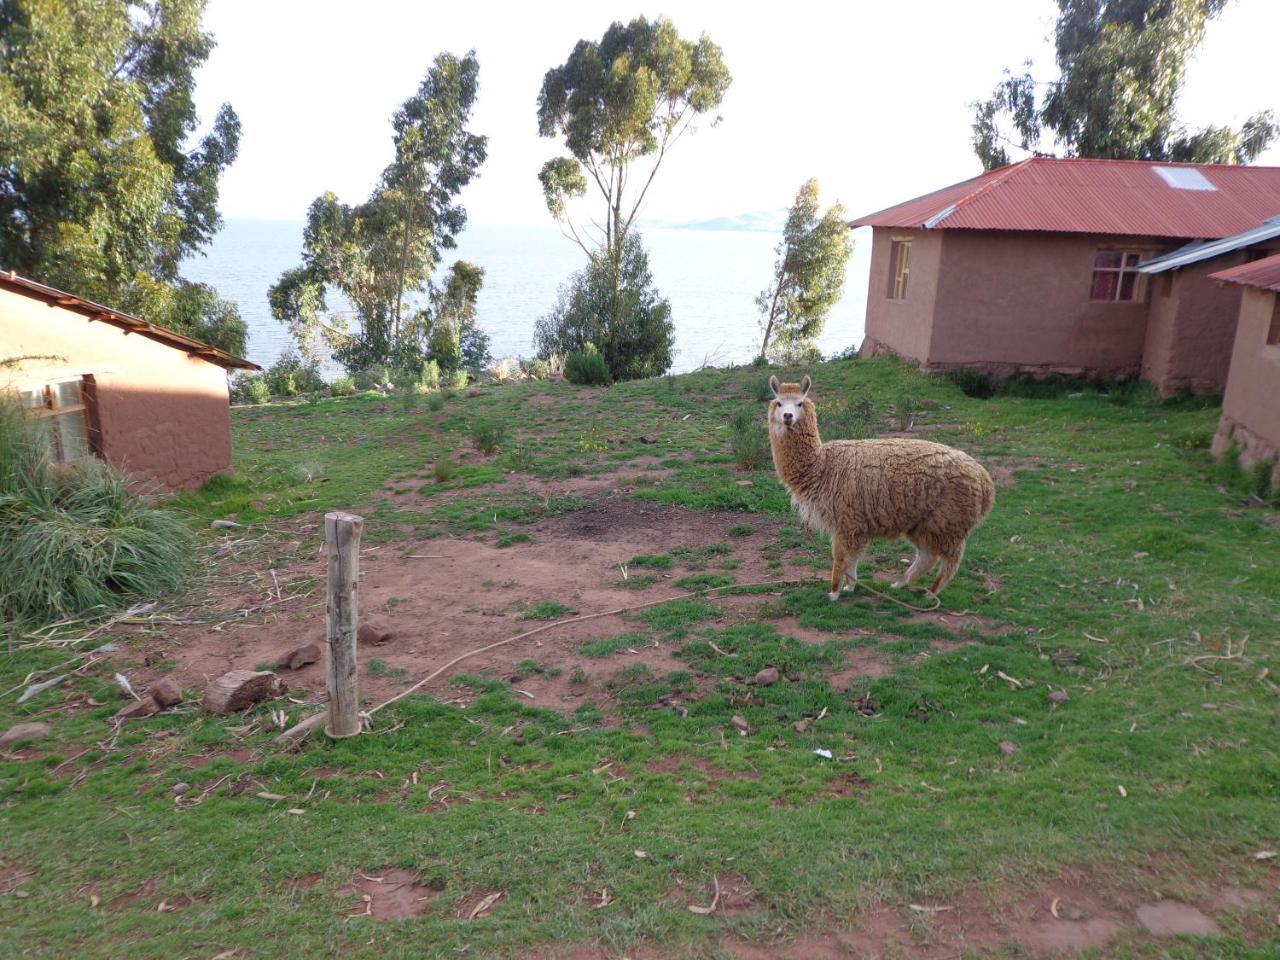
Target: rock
1008	748
223	524
179	788
745	483
766	677
166	692
23	731
373	631
240	689
299	657
138	710
740	724
1058	696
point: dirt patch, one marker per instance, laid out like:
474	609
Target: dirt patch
479	903
1236	898
709	771
849	785
963	623
11	878
390	894
1169	918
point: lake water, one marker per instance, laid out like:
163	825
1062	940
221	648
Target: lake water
711	278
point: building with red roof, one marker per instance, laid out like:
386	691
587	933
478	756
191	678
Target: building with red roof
1250	411
1084	267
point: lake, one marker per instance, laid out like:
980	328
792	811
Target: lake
711	278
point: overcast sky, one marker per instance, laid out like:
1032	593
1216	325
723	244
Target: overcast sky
871	98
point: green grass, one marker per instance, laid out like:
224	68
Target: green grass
1107	498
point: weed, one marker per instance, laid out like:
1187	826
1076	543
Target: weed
520	458
488	435
546	610
577	676
741	530
904	411
443	470
656	561
511	539
607	646
435	402
749	441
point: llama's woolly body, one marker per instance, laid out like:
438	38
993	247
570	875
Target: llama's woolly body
860	490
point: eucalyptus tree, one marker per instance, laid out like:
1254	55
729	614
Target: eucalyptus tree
105	186
809	274
386	249
1122	65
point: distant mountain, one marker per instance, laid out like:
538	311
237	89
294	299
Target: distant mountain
761	221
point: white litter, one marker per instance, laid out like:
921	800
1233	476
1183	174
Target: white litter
824	754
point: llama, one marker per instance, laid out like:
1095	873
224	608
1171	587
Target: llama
860	490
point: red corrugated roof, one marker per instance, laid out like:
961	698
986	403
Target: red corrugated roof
1260	273
96	311
1127	197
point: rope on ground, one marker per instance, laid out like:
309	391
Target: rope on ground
301	730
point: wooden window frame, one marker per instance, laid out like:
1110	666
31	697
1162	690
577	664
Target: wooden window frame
899	268
53	407
1124	269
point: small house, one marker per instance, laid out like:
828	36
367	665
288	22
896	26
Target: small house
1251	405
1038	267
146	399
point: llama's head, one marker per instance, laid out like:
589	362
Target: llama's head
790	408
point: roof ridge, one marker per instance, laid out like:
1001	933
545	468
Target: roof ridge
1152	163
999	176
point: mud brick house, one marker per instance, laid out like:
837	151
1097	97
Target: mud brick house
1040	267
1251	406
148	400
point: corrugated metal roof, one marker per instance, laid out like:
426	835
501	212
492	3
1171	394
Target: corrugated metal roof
1122	197
96	311
1205	249
1264	274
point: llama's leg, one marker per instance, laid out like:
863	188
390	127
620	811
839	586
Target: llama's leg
924	562
839	559
950	564
853	556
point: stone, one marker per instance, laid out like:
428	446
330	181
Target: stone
299	657
138	710
166	692
1057	697
373	631
179	788
766	677
740	724
1008	748
23	731
241	689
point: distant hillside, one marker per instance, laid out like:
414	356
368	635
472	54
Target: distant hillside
761	221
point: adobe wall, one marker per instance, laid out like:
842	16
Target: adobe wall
1010	301
162	415
902	326
1191	330
1250	408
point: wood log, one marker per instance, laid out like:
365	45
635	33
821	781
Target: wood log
240	689
342	534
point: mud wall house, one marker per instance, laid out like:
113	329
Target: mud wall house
1251	405
146	399
1038	267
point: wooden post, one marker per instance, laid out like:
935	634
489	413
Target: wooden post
342	535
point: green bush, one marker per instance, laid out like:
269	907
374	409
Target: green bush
905	408
342	386
520	458
291	376
759	390
973	383
488	435
614	306
429	377
371	378
435	403
586	367
749	440
458	379
250	389
444	470
74	540
536	369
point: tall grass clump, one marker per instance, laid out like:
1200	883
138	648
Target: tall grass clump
749	440
586	367
74	539
488	435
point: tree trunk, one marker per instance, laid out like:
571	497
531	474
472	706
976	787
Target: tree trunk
342	534
404	267
773	315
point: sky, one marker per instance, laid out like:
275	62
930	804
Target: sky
870	98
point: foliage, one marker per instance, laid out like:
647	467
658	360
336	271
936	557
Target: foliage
586	367
443	470
1122	64
458	378
808	277
429	375
372	377
102	191
749	440
249	388
386	249
291	375
75	540
617	310
488	435
342	386
630	96
536	368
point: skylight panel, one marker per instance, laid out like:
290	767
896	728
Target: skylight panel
1184	178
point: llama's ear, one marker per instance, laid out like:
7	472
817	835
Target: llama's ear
805	384
773	385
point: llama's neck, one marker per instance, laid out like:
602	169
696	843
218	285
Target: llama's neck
797	455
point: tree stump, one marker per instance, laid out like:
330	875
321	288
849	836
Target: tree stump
240	689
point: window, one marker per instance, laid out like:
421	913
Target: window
899	268
1273	335
1115	275
60	406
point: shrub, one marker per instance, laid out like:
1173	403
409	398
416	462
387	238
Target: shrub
487	435
250	389
435	403
291	376
429	376
74	540
612	303
749	440
536	369
342	386
973	383
904	411
371	378
458	379
444	470
759	390
586	367
520	458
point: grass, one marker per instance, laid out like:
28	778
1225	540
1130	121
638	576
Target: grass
1109	523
